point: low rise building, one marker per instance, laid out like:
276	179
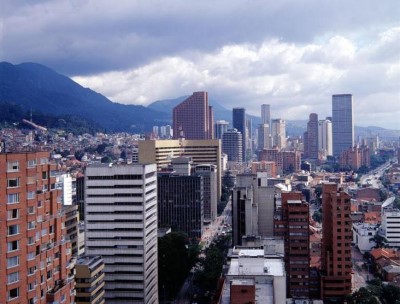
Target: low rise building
89	280
363	234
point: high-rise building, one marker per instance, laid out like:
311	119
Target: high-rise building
325	137
252	207
221	126
266	114
89	280
194	118
291	222
239	123
311	138
278	133
264	139
161	152
35	257
232	145
336	265
342	123
121	226
286	161
180	203
210	198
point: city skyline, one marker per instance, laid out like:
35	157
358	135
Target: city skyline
137	53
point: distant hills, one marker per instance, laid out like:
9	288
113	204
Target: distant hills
34	86
57	98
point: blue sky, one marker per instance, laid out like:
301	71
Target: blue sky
291	54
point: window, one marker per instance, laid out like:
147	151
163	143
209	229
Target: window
13	182
30	195
44	231
13	198
44	175
31	163
49	274
13	277
31	210
31	225
31	240
39	204
32	270
44	160
12	262
11	246
12	166
13	229
13	293
31	256
12	214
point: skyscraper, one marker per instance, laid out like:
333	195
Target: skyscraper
221	126
325	137
342	123
232	145
35	257
291	222
121	226
266	114
278	133
263	141
336	265
239	123
194	118
311	138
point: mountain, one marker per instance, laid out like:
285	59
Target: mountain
34	86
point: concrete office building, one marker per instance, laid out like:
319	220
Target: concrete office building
194	118
254	277
121	226
342	123
264	138
89	280
291	222
390	228
252	207
161	152
221	126
35	257
278	133
311	138
232	145
239	123
336	265
210	198
325	145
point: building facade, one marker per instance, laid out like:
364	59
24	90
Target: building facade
194	118
232	145
325	144
342	123
161	152
121	226
221	126
239	123
311	138
336	264
291	222
89	280
278	133
35	257
266	114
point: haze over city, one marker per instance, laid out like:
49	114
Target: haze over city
291	54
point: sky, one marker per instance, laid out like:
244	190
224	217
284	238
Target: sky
292	55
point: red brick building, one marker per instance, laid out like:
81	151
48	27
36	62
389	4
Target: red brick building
35	258
292	223
336	263
356	157
286	161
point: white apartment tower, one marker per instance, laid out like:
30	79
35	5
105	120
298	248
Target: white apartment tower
325	137
278	132
121	226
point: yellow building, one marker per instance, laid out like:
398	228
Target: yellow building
201	151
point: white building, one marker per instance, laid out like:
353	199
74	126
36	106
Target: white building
390	227
121	226
362	236
325	145
251	268
278	133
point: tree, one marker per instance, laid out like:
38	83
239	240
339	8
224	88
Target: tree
317	216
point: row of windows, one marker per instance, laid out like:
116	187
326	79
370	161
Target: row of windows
117	177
